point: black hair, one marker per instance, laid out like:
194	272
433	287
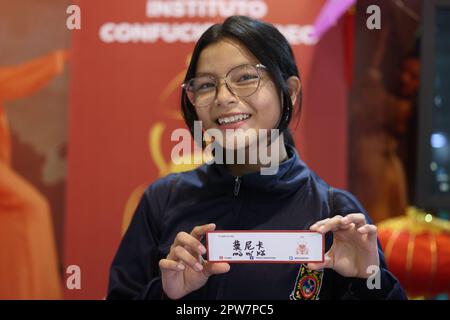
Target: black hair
268	45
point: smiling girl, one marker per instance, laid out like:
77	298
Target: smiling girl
243	75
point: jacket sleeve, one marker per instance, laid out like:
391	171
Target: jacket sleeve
134	273
356	288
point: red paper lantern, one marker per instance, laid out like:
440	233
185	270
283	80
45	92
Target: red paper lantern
418	254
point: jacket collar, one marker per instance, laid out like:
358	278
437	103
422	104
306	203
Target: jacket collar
292	174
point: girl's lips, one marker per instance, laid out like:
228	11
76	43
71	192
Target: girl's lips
234	125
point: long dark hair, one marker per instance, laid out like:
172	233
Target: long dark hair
268	45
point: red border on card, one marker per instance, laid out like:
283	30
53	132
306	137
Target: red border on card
265	231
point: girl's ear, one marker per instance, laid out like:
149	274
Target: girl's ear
294	86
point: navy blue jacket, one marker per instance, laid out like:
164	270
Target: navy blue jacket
293	199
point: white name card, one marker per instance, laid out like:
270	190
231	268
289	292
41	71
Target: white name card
291	246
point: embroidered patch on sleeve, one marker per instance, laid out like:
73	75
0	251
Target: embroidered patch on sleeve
307	284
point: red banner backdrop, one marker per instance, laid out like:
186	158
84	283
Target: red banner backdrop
128	61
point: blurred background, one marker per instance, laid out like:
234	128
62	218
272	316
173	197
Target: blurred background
89	96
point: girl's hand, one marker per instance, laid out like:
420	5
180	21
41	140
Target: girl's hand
184	270
354	246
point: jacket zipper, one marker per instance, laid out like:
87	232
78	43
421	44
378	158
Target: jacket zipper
237	185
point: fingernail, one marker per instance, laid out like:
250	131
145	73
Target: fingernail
180	266
198	267
202	249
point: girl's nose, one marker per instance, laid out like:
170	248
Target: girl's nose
224	95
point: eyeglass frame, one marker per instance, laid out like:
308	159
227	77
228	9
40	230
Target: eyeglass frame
217	80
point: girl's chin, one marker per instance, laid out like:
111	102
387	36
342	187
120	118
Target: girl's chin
236	143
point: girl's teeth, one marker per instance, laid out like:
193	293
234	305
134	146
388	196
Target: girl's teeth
231	119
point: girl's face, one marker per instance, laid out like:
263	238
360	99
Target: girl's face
263	107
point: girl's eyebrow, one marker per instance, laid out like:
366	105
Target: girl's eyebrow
205	73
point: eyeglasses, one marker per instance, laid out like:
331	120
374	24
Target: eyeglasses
242	81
